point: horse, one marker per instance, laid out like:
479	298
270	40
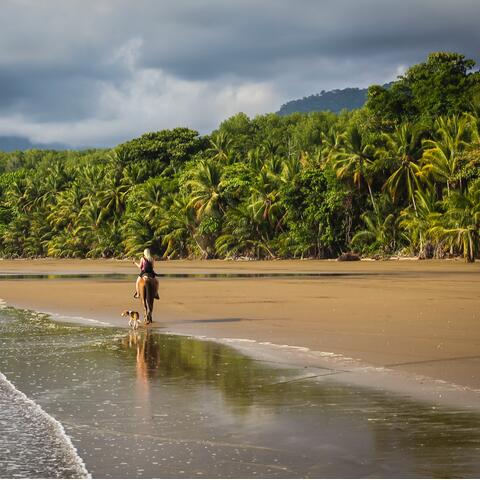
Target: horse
146	289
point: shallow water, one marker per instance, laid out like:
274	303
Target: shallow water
150	405
127	276
385	272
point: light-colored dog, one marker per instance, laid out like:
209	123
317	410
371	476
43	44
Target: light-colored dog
134	318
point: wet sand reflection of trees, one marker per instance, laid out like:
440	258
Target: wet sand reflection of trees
435	442
183	358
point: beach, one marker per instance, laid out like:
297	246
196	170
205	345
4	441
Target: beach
288	369
416	317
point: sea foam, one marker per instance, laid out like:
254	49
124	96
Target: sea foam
33	444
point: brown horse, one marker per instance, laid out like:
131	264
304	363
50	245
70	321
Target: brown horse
146	289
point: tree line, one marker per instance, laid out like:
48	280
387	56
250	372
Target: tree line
401	175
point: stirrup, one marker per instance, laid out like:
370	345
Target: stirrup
136	295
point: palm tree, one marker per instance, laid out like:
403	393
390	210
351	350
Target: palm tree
220	147
379	233
269	148
206	195
292	167
256	159
331	142
134	174
90	174
242	234
137	233
62	244
147	206
265	200
460	225
90	222
352	159
113	195
404	147
67	207
150	198
417	222
474	125
118	159
38	230
177	227
23	194
51	184
442	154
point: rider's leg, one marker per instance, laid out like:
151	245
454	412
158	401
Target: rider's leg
136	287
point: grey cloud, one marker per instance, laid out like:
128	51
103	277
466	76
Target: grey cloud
60	60
252	40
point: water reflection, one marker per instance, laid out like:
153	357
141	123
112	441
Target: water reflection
231	275
128	276
181	359
394	433
140	404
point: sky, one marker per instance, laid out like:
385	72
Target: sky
99	72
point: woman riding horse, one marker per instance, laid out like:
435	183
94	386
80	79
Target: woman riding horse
146	268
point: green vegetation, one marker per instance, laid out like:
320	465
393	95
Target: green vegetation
400	175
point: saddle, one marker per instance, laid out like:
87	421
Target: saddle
148	275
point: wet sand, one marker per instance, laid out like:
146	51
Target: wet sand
412	316
148	405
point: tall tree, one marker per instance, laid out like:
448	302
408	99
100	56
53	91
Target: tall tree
353	158
442	154
220	147
443	85
206	192
404	149
459	226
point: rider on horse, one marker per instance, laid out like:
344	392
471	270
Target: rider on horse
146	268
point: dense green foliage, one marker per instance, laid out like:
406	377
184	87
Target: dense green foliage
400	175
444	85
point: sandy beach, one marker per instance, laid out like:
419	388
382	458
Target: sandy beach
420	317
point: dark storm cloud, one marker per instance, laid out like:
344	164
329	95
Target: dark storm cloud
259	38
78	60
43	95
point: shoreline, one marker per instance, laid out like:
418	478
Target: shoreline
319	366
371	313
198	408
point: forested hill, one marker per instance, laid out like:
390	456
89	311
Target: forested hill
333	100
12	143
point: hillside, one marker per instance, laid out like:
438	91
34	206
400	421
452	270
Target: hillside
13	143
333	100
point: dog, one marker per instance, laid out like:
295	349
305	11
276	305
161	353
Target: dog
134	318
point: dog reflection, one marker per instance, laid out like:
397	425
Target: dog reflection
133	318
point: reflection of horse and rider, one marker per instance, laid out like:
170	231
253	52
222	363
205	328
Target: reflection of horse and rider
146	286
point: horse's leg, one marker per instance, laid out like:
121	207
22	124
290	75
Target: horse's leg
145	307
150	313
150	298
143	297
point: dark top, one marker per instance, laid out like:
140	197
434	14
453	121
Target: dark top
146	267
